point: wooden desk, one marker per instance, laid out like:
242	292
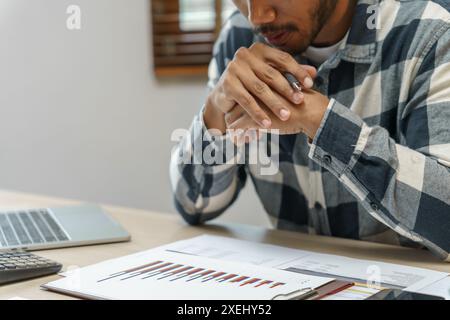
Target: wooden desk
151	229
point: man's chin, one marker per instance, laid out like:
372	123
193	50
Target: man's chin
294	47
292	50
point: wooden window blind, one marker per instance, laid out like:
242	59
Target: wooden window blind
184	32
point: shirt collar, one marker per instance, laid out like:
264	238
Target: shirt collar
360	45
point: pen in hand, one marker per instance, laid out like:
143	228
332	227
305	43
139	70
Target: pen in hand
295	84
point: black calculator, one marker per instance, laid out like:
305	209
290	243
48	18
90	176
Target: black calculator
16	265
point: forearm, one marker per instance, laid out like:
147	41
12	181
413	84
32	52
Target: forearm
405	189
202	190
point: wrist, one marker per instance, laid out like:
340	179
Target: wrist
213	118
313	117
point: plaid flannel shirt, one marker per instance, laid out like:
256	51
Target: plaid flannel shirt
379	166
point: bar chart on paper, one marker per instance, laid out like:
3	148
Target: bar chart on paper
307	262
159	274
160	270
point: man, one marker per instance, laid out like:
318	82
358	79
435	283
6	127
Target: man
367	150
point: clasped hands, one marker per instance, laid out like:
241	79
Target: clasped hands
253	94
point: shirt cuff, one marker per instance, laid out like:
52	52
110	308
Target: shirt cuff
340	139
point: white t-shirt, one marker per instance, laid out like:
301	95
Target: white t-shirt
319	55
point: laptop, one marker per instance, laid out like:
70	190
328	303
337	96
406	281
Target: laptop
36	229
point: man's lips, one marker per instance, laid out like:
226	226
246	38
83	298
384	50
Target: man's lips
277	38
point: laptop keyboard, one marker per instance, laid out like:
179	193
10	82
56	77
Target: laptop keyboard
29	227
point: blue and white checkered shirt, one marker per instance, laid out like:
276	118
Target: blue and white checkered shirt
379	166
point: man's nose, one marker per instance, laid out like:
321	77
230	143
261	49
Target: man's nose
260	12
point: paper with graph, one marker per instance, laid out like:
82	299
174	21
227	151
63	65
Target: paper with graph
161	275
308	262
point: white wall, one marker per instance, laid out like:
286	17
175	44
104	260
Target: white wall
81	114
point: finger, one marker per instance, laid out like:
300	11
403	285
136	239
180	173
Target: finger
234	89
234	114
276	81
311	70
238	135
263	92
244	123
248	103
223	102
285	62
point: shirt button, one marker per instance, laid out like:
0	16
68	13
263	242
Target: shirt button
327	159
374	206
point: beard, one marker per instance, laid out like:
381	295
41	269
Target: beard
318	17
324	12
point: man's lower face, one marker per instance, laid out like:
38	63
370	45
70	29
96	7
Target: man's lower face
294	42
290	25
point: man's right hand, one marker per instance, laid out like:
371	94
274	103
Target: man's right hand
256	72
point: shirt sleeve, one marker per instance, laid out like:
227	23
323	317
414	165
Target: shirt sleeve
203	190
206	171
403	182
